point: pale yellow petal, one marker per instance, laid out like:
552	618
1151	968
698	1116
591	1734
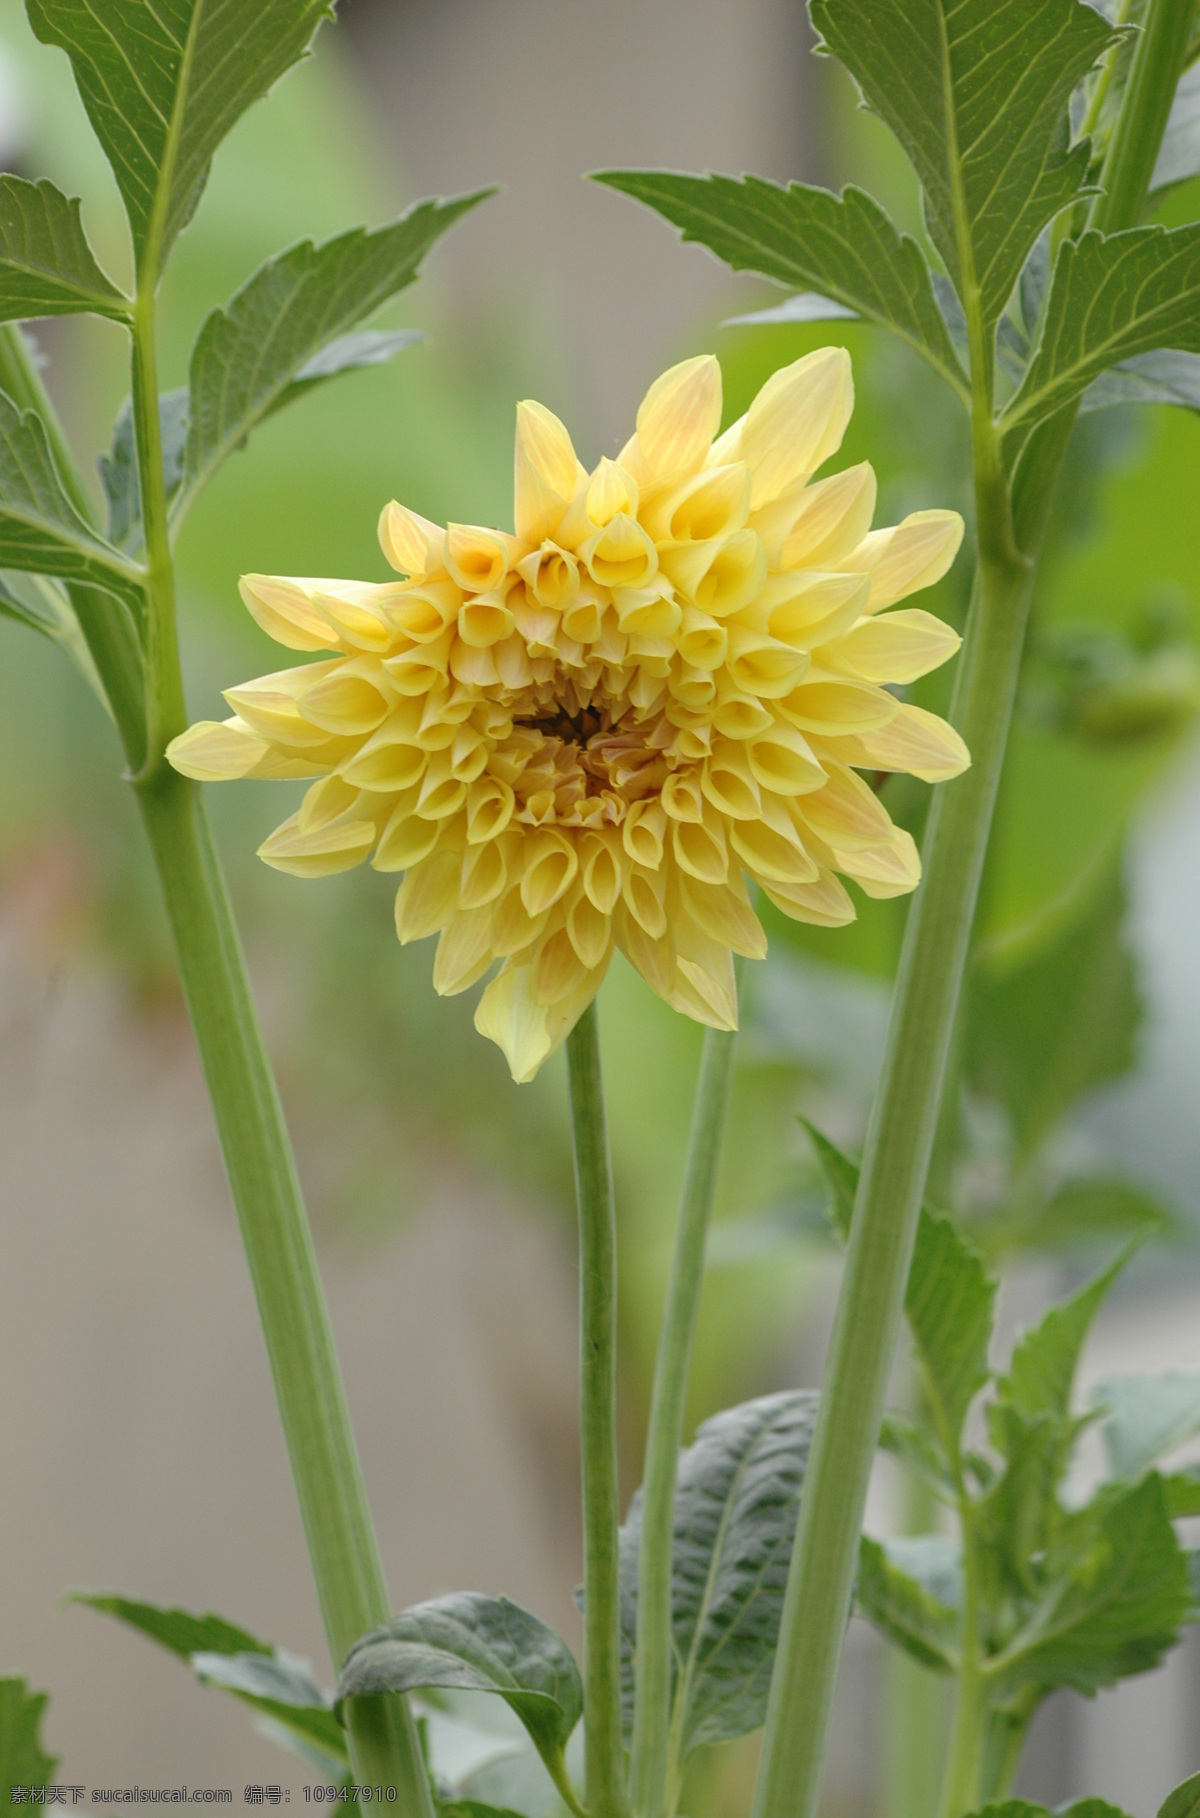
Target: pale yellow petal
823	902
547	472
796	422
284	609
215	751
509	1015
679	416
912	555
913	740
411	543
319	854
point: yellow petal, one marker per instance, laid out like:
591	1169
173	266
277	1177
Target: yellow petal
797	421
551	863
830	705
215	751
509	1015
782	760
846	812
464	951
620	555
611	489
714	503
815	524
319	854
897	647
411	543
428	896
912	555
679	416
478	559
547	472
589	931
723	911
772	854
406	838
284	609
823	902
888	870
913	740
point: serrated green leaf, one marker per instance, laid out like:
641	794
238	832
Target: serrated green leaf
737	1498
222	1654
47	267
468	1642
280	334
40	530
949	1301
845	247
841	1175
163	82
178	1630
1184	1802
1042	1371
1120	1610
1021	1808
1039	1036
949	1305
1147	1416
976	91
23	1760
1183	1492
1179	154
282	1689
119	468
1082	1211
1111	297
911	1591
475	1808
806	307
1152	378
921	1452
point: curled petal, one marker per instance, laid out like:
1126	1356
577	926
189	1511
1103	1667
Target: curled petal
318	854
913	741
913	554
547	472
796	422
679	416
411	543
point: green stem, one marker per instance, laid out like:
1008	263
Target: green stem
598	1422
105	621
1137	135
969	1735
915	1704
889	1202
382	1738
652	1690
21	380
166	716
936	941
283	1268
1002	1756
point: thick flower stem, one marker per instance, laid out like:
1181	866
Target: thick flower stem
605	1793
889	1201
652	1693
283	1269
937	937
384	1749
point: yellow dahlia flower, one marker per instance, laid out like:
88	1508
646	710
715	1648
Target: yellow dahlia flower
590	733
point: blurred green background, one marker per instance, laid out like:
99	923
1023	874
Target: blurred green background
1060	1057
